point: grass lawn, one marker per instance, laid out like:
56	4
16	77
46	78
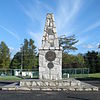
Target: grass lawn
9	78
90	76
94	75
14	78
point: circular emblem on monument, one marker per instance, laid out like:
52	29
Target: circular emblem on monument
50	65
50	56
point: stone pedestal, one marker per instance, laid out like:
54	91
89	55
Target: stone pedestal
53	72
50	53
49	85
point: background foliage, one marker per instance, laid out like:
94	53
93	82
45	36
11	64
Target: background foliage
27	57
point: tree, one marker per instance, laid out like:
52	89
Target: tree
25	54
68	61
80	61
68	43
27	58
29	54
16	61
92	59
98	63
72	61
4	56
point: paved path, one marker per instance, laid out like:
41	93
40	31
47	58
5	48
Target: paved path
51	95
42	95
95	83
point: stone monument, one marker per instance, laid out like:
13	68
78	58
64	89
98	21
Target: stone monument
50	67
50	53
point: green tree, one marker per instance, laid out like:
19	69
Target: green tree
16	61
68	43
25	54
72	61
29	54
98	64
68	60
80	61
92	59
27	58
4	56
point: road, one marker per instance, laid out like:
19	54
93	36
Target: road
50	95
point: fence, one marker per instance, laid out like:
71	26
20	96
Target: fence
25	73
28	73
75	72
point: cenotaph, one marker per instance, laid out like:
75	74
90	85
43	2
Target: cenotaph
50	53
50	67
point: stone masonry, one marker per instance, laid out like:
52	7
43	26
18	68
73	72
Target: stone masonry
50	53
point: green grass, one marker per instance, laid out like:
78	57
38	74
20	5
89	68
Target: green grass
14	78
9	78
94	75
76	76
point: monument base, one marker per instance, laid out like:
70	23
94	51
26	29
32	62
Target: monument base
49	85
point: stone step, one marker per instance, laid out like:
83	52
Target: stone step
71	82
53	88
25	85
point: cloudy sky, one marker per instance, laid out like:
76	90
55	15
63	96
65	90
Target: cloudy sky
21	19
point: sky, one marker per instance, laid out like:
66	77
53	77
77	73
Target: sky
20	19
